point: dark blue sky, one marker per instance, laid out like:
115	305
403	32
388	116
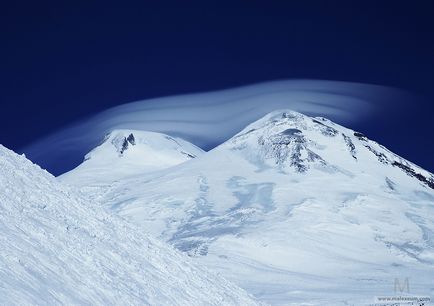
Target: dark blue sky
62	61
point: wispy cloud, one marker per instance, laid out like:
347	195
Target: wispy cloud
208	119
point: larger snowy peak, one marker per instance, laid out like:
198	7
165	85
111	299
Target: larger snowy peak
293	142
58	248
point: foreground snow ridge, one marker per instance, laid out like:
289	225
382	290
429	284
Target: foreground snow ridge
58	248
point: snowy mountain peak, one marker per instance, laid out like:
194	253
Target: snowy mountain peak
296	143
286	139
131	152
121	140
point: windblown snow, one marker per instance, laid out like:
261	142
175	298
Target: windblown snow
58	248
294	209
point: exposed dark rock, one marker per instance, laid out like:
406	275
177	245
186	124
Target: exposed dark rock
411	172
296	161
131	139
126	142
122	143
124	146
381	157
188	154
325	129
287	147
350	145
360	136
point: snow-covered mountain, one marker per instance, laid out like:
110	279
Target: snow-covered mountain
129	152
294	209
57	248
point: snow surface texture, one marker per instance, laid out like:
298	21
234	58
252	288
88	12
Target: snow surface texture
296	210
58	248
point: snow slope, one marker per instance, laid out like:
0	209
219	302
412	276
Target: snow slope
58	248
294	209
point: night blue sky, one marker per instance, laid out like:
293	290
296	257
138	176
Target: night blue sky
62	62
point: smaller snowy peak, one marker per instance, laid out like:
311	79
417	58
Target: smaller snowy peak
122	140
126	153
294	142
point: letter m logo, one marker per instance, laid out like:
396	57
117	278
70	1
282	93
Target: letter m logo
402	286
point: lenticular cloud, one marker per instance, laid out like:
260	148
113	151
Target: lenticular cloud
208	119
